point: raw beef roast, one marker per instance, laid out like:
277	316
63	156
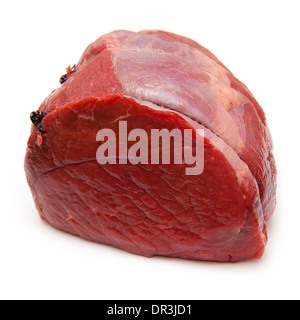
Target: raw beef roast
154	80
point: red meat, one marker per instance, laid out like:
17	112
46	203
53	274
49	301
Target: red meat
155	79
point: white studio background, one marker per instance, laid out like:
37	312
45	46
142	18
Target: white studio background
258	40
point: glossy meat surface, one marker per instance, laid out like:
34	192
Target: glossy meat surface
151	210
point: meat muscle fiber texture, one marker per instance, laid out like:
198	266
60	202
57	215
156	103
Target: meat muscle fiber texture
154	80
